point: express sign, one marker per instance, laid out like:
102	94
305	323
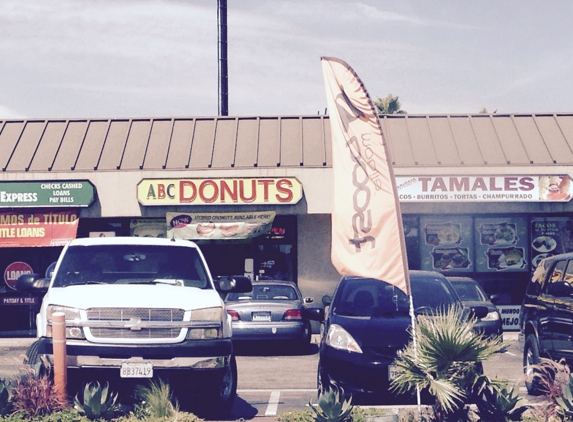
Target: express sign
285	190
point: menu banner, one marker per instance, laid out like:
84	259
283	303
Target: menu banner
205	226
550	236
507	188
446	244
501	244
41	228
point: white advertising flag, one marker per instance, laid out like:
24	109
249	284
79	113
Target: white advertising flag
367	232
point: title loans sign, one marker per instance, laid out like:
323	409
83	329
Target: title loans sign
286	190
54	193
42	228
485	188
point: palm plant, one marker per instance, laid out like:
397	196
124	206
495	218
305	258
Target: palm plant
446	360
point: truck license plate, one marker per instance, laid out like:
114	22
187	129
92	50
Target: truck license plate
136	370
261	316
392	372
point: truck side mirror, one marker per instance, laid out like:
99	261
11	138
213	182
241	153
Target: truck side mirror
234	284
32	283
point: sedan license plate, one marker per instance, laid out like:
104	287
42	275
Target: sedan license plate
136	370
392	372
261	316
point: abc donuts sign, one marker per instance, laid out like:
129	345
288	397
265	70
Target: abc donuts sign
231	191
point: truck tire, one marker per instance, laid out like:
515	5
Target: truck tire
530	358
217	396
33	360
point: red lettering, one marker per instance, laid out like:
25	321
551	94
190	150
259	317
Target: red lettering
253	191
526	183
492	185
479	184
463	184
424	181
203	186
265	183
439	184
226	189
187	184
510	183
161	191
286	190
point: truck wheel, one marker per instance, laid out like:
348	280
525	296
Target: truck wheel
217	396
33	360
531	358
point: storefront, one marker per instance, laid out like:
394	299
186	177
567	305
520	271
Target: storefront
485	196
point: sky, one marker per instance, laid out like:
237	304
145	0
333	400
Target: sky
157	58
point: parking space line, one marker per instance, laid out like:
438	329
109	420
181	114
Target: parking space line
273	403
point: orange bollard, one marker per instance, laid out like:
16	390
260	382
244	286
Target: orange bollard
60	355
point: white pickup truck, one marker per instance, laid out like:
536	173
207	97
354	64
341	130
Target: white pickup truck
141	308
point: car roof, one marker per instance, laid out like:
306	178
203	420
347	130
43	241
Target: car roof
461	279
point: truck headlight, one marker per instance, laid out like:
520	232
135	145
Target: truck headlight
74	329
207	315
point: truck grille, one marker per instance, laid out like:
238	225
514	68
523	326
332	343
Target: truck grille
144	333
142	314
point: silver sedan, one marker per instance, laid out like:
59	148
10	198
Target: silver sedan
273	310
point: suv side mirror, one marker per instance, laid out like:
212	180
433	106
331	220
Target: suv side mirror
234	284
326	300
314	314
32	283
560	288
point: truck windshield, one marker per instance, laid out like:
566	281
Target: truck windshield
132	264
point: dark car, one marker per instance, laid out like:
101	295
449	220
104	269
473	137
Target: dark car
546	315
367	324
472	295
273	310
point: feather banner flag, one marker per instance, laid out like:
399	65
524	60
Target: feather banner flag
367	231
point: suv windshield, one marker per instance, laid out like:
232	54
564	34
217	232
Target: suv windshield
371	297
132	264
368	297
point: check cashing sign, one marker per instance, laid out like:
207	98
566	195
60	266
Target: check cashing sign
507	188
53	193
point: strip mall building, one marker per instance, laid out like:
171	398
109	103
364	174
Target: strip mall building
485	196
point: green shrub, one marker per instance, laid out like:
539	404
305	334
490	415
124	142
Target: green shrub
97	401
156	401
332	406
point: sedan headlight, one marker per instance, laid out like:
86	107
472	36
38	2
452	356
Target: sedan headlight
491	316
207	315
338	338
74	329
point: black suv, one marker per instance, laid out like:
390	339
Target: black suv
546	315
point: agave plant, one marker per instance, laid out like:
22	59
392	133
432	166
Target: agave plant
446	360
332	406
97	401
499	402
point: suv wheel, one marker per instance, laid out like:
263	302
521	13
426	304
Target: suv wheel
530	358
